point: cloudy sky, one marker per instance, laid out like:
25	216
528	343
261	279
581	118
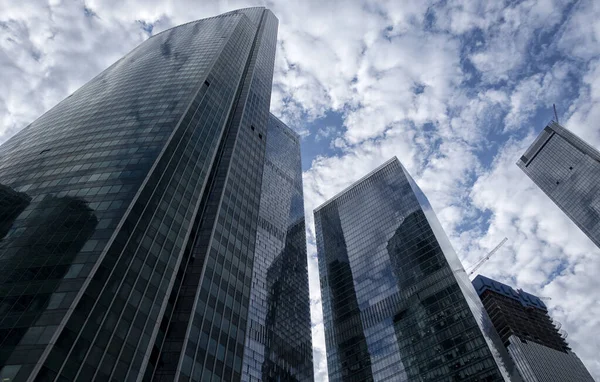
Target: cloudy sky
457	90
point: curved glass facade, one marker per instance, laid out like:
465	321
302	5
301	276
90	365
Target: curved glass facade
129	212
397	304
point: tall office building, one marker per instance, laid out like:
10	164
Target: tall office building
278	344
567	169
150	218
531	337
397	303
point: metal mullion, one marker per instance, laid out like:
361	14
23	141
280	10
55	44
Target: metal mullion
212	326
260	34
214	272
223	136
38	365
201	327
178	164
219	209
169	290
242	95
229	287
197	142
193	240
263	308
121	253
183	116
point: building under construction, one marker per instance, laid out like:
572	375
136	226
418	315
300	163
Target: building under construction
533	339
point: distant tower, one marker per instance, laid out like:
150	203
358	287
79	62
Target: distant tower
532	339
393	307
567	169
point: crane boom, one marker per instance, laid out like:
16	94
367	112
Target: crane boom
487	257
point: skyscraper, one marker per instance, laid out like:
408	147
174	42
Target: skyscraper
135	243
531	337
397	303
278	343
567	169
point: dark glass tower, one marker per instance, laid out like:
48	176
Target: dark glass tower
278	343
532	338
131	220
397	303
567	169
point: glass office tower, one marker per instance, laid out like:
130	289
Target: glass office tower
278	343
131	213
534	341
567	169
397	303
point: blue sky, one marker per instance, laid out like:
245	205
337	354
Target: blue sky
455	89
318	136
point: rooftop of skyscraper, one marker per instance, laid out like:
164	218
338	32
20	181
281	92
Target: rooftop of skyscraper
483	284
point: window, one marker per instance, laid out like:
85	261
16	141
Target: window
9	372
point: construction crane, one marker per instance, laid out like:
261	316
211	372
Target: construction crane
487	257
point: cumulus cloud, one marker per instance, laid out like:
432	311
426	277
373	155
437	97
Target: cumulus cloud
456	89
325	132
509	36
540	90
581	32
406	77
584	112
48	50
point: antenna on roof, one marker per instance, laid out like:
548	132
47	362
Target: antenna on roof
555	114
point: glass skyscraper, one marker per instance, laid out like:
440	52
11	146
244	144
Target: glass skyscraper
567	169
278	344
148	220
397	303
533	340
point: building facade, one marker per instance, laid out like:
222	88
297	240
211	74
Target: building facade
132	226
397	304
567	169
533	340
278	343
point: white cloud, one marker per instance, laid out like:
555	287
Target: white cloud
476	116
49	50
585	111
581	33
463	16
538	91
509	33
390	71
325	132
